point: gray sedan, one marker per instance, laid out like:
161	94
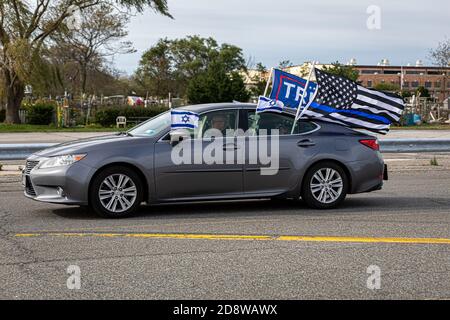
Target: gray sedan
319	162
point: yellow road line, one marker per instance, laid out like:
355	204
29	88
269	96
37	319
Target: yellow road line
365	239
244	237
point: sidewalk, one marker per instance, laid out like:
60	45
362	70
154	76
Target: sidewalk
58	137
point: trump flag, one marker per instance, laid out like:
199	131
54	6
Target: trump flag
289	89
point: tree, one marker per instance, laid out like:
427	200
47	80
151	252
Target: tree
423	92
285	64
94	40
217	85
170	65
341	70
25	28
155	71
259	80
441	55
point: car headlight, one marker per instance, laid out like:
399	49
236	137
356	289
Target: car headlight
60	161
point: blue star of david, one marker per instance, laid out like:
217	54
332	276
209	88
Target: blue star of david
185	119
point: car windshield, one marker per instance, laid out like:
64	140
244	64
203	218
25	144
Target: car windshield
152	127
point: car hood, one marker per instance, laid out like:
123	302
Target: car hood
80	145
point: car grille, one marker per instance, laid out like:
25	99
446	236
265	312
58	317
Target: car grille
29	189
30	166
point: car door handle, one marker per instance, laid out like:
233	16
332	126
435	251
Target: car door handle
305	143
230	146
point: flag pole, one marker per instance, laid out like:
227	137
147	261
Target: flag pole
269	80
297	116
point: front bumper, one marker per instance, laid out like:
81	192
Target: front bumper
63	185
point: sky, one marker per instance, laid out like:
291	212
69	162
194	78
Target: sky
270	31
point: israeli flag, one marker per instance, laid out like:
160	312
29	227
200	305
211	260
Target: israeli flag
184	119
266	104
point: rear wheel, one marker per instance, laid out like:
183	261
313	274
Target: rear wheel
116	192
325	186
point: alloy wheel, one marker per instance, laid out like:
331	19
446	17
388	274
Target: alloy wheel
326	185
117	193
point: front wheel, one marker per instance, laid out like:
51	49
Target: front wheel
116	192
325	186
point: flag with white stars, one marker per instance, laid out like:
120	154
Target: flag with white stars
182	119
345	102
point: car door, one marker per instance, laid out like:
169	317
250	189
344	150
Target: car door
293	152
201	180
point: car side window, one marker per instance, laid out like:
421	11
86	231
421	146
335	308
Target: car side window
283	122
221	120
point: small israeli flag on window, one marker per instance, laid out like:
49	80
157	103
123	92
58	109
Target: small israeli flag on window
184	119
266	104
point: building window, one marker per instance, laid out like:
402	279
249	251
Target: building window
406	84
427	84
369	83
368	71
414	84
437	84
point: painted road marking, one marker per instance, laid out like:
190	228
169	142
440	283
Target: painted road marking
195	236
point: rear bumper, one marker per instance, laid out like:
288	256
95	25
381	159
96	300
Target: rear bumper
367	175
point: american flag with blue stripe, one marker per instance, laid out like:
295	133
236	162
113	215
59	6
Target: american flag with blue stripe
343	101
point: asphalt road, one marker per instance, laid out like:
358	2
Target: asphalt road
186	251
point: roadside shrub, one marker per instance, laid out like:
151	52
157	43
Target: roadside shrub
107	116
40	113
2	115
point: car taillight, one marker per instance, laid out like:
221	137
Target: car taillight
371	143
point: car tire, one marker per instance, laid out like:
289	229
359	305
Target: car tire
116	192
325	185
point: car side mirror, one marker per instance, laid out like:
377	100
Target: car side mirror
177	136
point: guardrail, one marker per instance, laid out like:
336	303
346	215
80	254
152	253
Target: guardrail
22	151
414	145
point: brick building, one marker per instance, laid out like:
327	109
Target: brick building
435	79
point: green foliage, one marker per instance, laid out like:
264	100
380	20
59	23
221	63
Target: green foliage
2	115
406	94
341	70
170	65
40	113
217	85
390	87
424	93
434	162
107	116
285	64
